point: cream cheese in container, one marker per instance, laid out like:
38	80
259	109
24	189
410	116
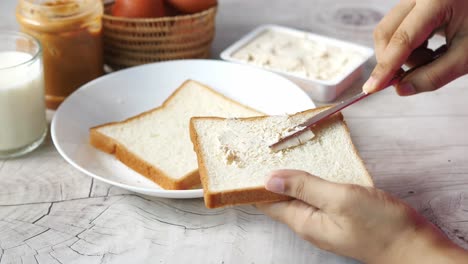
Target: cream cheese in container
322	66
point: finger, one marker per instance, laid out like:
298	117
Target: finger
419	56
305	187
287	211
412	32
447	68
296	214
389	24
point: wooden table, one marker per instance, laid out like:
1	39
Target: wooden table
416	148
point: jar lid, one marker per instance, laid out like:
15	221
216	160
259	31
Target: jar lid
57	15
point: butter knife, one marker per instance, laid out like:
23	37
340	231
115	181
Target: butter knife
301	133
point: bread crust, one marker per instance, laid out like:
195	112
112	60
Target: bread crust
138	164
247	195
201	163
353	147
101	141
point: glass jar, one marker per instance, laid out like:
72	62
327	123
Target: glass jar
70	32
23	124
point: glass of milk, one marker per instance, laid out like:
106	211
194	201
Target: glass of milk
23	124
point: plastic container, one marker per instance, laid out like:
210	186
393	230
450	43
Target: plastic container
320	90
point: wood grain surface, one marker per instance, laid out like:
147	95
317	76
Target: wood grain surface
416	148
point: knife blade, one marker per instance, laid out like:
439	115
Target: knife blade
301	133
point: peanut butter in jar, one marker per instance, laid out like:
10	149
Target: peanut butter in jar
70	32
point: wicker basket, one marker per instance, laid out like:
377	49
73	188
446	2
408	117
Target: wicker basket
134	41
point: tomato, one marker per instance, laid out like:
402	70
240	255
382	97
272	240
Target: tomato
192	6
138	8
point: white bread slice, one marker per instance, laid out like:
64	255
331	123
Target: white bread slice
157	143
234	158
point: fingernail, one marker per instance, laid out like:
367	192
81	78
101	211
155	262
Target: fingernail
406	89
369	85
275	184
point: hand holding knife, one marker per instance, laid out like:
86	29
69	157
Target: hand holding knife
302	131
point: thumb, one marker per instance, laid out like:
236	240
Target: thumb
433	76
305	187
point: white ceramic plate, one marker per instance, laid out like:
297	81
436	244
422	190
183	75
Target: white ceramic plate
125	93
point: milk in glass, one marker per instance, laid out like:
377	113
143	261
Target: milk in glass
22	107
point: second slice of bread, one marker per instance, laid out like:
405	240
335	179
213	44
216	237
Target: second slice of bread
157	143
234	158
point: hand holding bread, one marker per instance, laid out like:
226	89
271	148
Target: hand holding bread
234	155
361	222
